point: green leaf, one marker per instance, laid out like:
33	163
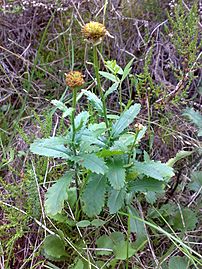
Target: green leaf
146	184
117	237
94	195
111	89
136	226
96	102
79	265
126	118
109	76
196	182
83	223
179	156
106	243
156	170
97	223
123	250
57	194
116	200
151	197
109	153
81	119
189	220
72	196
51	147
54	248
114	67
124	141
116	173
93	163
127	70
178	262
61	106
195	117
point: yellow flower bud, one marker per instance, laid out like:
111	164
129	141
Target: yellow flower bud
94	32
74	79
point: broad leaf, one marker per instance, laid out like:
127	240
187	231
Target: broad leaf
93	163
116	173
156	170
94	195
136	226
57	194
126	118
81	119
106	243
96	102
54	248
178	262
146	184
116	200
196	182
187	218
123	250
51	147
124	141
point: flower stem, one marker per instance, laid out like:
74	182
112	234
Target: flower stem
96	67
74	147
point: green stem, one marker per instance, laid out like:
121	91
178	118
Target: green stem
73	116
74	149
96	67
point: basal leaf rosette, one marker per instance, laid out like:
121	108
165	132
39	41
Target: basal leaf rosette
74	79
94	32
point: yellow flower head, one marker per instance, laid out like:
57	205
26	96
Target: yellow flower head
74	79
94	32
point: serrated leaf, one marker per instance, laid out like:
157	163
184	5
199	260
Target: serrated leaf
156	170
126	118
146	184
54	248
96	102
116	173
108	76
94	194
111	89
93	163
57	194
124	141
189	220
51	147
136	226
116	200
178	262
151	197
81	119
179	156
83	223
